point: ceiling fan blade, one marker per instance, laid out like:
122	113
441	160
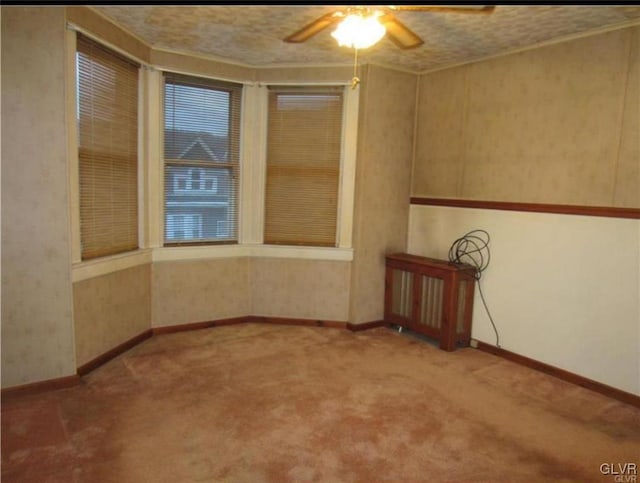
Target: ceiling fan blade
399	33
487	9
314	27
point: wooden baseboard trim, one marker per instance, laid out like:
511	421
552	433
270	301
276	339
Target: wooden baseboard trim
116	351
606	211
40	387
333	324
84	369
170	329
367	325
596	386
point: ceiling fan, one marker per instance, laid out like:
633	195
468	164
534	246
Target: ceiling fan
397	32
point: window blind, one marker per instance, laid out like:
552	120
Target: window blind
202	160
107	111
304	137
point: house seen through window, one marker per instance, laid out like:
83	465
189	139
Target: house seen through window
201	152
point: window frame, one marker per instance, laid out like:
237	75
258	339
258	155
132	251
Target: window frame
235	168
73	145
319	103
254	176
251	185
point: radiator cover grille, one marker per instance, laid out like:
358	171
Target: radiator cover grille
431	296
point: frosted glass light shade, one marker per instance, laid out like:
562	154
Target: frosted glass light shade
359	32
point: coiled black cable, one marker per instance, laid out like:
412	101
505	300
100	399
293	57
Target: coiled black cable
473	249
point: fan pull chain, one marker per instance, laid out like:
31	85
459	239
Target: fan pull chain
355	81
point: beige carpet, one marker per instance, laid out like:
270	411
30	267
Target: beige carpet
259	402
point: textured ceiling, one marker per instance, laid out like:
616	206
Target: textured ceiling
253	34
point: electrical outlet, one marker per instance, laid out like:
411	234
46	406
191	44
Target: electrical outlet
473	343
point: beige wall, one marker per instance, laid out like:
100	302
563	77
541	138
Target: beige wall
202	290
304	74
385	148
306	289
627	184
558	124
201	66
110	309
562	289
199	290
37	328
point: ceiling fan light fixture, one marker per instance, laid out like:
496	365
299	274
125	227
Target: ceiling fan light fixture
359	31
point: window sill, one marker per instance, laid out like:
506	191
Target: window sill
300	252
105	265
165	254
102	266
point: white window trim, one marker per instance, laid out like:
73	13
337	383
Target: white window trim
155	158
253	164
346	198
73	167
143	165
346	190
167	254
252	186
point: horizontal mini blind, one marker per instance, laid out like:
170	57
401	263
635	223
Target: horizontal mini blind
202	160
303	165
107	89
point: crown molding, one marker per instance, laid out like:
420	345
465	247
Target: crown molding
200	55
237	63
259	67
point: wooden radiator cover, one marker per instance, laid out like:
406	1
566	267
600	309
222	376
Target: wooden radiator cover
430	296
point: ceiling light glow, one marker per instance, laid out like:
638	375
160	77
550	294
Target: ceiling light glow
358	31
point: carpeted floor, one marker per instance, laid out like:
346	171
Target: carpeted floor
259	402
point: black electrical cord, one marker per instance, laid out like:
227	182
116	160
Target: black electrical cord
473	249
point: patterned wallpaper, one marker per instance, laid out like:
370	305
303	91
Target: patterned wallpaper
627	182
307	289
110	309
199	290
253	34
37	325
385	143
557	124
202	290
